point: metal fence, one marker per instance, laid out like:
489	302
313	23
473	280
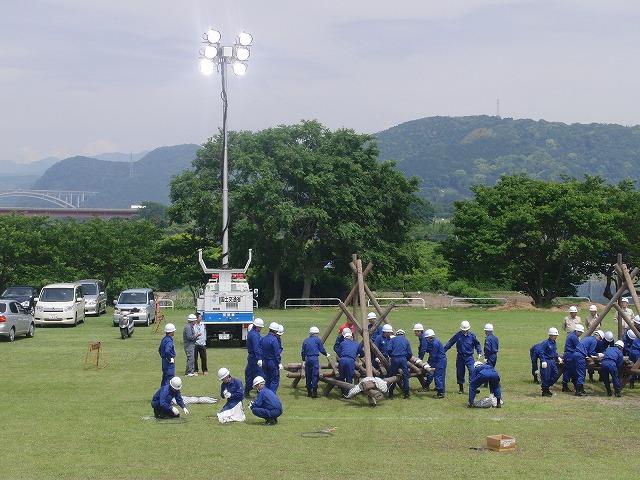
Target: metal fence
401	302
311	302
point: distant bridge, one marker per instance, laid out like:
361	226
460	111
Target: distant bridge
62	198
72	212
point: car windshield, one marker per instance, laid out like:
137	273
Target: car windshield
132	297
89	289
56	295
17	291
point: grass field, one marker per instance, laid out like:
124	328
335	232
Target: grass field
61	421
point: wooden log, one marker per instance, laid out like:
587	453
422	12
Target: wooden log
300	375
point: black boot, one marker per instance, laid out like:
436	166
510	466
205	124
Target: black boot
440	394
308	392
486	385
609	392
535	378
591	376
617	394
580	391
499	404
460	388
405	394
565	388
632	383
314	393
247	393
426	387
546	393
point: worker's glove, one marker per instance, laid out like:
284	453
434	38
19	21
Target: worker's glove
226	394
172	360
280	367
426	365
479	356
418	362
544	364
328	354
250	405
260	363
537	372
377	359
186	412
560	360
175	411
595	357
601	355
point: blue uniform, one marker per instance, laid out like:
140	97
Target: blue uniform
548	353
254	353
373	334
271	359
610	363
400	351
267	404
534	353
465	344
438	360
491	345
167	354
234	387
584	349
336	344
161	402
348	350
634	350
484	374
383	342
570	345
312	347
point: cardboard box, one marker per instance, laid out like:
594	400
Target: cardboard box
501	443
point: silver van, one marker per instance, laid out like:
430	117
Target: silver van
138	303
60	303
95	296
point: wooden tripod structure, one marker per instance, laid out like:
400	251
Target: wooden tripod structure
370	385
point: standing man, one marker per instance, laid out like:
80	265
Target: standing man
189	336
167	354
437	360
161	401
465	341
383	342
548	353
418	331
534	353
593	315
231	390
348	350
622	325
254	356
484	374
312	347
373	334
340	338
201	345
586	348
569	323
400	352
271	356
611	362
267	405
491	345
570	344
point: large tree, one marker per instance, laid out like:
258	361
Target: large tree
302	196
543	238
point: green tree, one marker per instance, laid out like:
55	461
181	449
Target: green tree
540	237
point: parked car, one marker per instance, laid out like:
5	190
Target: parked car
60	303
95	296
138	303
25	295
15	320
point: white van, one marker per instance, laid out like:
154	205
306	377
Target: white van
60	303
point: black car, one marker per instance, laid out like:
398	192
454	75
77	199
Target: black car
25	295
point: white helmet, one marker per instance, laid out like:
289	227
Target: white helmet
429	333
624	299
280	329
175	383
631	334
593	308
579	328
465	325
488	327
372	315
619	343
345	330
400	332
386	328
274	326
258	380
573	309
169	327
347	334
477	364
314	330
223	373
258	322
418	326
553	331
600	333
636	319
192	318
608	336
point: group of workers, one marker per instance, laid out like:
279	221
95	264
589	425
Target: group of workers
601	346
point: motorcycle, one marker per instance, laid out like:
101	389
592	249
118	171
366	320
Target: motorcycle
126	326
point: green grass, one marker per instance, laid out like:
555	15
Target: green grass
61	421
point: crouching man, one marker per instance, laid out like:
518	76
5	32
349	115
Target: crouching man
231	390
484	373
267	405
161	401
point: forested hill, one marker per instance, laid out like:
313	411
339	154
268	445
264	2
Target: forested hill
452	153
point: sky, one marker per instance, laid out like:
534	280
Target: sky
85	77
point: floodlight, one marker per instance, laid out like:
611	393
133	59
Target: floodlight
245	39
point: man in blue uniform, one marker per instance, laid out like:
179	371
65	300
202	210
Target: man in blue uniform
254	356
271	357
230	389
373	334
312	347
437	360
611	362
267	405
491	345
383	342
400	352
465	341
570	344
161	401
418	331
167	354
534	353
348	350
340	338
586	348
548	353
484	373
